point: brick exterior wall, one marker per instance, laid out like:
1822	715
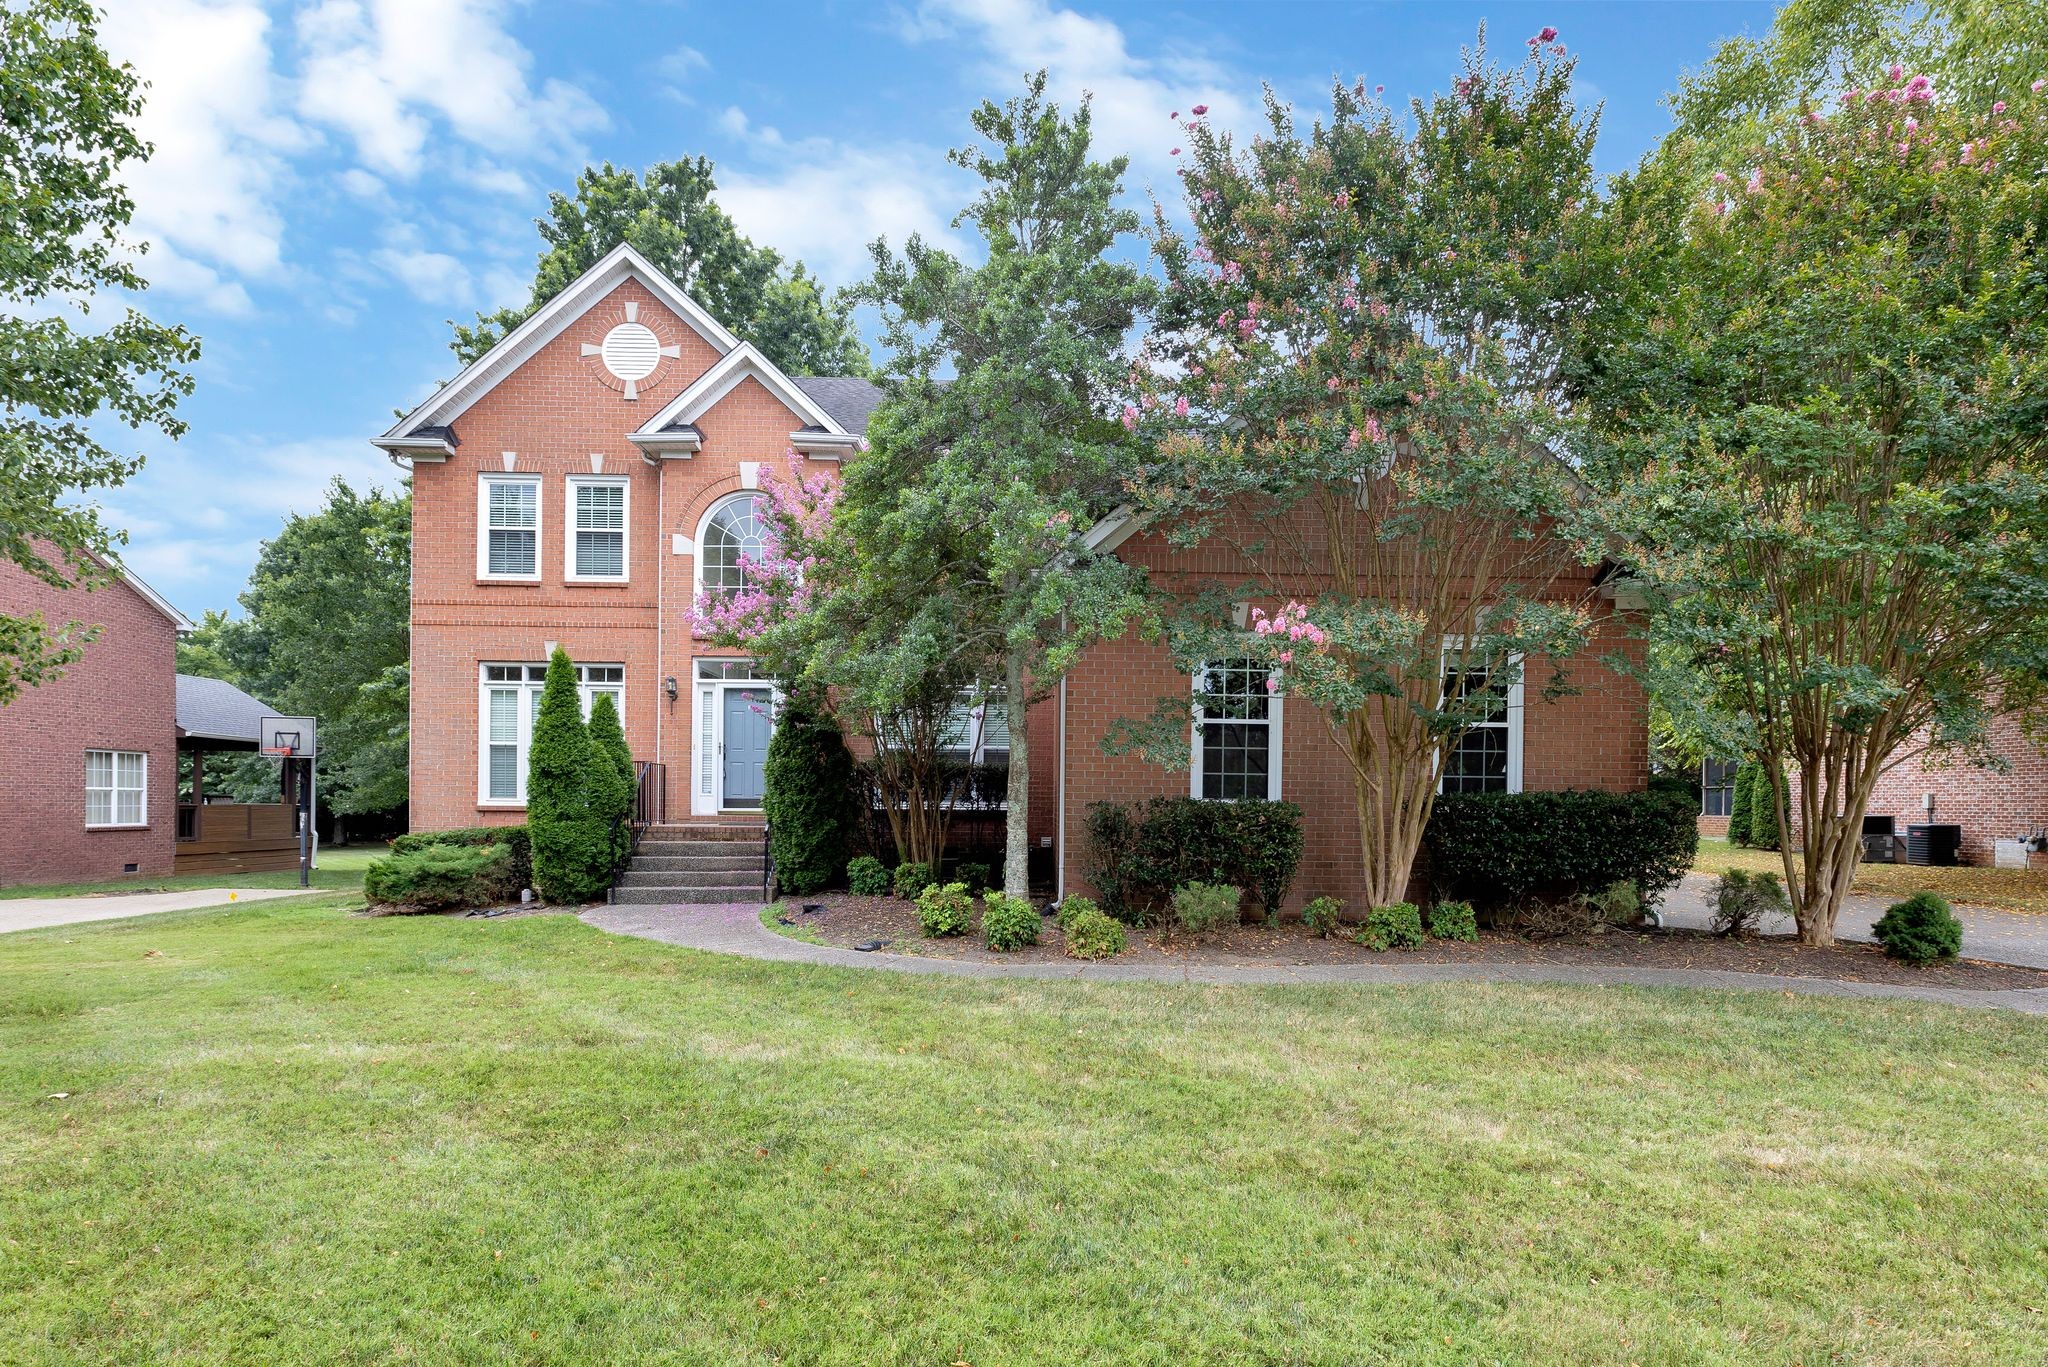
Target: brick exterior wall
121	695
1595	738
1988	805
554	412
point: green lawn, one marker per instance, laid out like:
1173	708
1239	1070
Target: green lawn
340	868
2016	890
295	1136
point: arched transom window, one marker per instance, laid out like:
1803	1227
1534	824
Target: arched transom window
733	530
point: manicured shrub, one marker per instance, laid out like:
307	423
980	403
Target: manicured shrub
1507	849
1454	921
1139	854
1742	900
867	877
438	876
614	789
514	838
1763	811
1202	907
1092	935
1919	930
974	875
1008	922
1322	915
1741	804
1396	926
572	854
1075	906
912	879
944	910
807	798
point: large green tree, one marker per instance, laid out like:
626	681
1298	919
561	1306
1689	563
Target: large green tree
1824	402
325	632
66	137
969	501
1354	385
670	217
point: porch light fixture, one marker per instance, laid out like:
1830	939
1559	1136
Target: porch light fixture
668	686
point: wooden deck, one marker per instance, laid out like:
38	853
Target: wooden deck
236	838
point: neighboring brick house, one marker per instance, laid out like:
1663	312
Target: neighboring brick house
89	761
1989	805
579	484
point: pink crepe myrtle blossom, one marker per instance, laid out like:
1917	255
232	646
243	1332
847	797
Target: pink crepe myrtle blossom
1333	384
1547	34
1247	326
1200	110
1130	417
1720	177
1174	115
1379	308
1756	180
1180	406
1999	107
1381	90
1897	72
2038	86
1290	622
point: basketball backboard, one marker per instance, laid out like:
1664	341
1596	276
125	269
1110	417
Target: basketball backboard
287	737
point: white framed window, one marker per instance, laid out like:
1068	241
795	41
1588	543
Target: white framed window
508	527
977	732
508	702
1487	758
116	788
731	529
1236	742
596	528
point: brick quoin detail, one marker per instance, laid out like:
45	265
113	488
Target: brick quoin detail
121	695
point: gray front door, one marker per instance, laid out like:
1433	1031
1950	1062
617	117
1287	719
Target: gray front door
748	722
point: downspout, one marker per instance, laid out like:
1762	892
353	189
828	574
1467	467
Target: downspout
1059	839
662	703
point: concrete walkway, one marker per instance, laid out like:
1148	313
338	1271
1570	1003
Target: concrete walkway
737	929
29	913
2009	937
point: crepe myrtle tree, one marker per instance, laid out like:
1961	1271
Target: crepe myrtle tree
1354	385
1825	403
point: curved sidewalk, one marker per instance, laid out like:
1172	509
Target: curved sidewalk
737	929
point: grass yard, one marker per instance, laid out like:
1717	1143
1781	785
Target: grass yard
2021	890
340	868
288	1135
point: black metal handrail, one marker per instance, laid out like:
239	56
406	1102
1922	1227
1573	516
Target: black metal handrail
767	860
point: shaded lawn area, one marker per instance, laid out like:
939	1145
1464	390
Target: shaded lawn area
292	1135
2022	890
340	868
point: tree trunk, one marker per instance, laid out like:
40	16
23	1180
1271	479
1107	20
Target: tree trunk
1017	817
1831	808
1393	792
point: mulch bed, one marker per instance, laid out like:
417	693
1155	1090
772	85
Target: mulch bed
847	921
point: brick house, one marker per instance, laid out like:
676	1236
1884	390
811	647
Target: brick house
1989	805
89	761
584	480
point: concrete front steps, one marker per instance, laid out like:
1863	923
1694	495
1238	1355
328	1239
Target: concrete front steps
699	862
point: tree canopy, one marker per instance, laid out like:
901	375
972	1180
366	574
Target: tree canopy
64	211
671	219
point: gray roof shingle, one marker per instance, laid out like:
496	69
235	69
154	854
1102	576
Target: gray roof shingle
848	398
215	709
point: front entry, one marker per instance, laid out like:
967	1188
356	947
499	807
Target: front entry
749	720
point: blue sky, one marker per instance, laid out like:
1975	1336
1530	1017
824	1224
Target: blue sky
335	180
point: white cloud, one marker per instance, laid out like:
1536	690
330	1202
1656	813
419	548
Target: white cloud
682	62
381	71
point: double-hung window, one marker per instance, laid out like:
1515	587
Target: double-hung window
116	788
508	705
508	532
1487	757
1717	787
1236	732
597	529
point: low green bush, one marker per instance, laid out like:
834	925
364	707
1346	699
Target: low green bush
1138	855
1617	904
974	875
1322	915
912	879
1396	926
944	910
1919	930
1742	900
1507	849
1741	803
514	838
1202	907
867	877
1008	922
1075	906
1454	921
1090	934
439	876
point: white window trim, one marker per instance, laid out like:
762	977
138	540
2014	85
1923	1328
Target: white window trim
1454	646
703	526
707	738
569	531
524	713
114	793
484	482
1274	710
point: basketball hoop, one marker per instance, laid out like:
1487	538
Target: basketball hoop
280	751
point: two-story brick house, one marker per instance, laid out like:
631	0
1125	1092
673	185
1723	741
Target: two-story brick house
582	482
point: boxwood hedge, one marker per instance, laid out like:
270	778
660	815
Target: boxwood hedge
1505	849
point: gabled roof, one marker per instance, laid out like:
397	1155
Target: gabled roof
214	709
425	429
739	364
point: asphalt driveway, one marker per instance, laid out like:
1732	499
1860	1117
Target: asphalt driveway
2011	937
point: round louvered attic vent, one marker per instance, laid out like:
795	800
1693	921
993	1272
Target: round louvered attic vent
631	351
